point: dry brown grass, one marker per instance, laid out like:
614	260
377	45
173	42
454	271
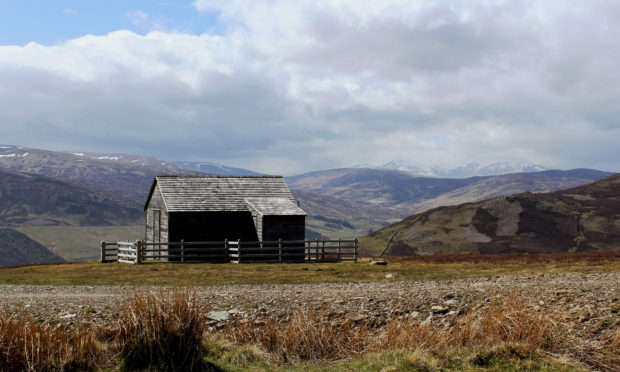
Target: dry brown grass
29	346
310	337
165	331
306	337
506	321
161	331
607	358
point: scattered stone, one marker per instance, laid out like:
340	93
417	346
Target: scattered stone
68	316
414	314
592	298
388	276
428	319
218	315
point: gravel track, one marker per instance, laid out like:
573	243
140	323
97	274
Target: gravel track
583	298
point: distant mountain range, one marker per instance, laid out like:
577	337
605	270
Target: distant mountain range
120	175
41	187
576	219
28	199
151	161
214	168
464	171
406	193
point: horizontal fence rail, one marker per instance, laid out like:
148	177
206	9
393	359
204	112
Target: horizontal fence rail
237	251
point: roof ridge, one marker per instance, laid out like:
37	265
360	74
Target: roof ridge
213	176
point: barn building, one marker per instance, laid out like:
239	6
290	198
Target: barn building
215	208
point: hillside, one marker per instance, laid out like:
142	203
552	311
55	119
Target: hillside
509	184
407	192
173	166
31	199
18	249
80	243
463	171
214	168
578	219
111	174
339	218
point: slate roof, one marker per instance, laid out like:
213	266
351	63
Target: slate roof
275	206
225	194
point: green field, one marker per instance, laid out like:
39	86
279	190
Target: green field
171	274
80	243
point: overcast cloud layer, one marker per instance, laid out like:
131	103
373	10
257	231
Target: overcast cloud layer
287	86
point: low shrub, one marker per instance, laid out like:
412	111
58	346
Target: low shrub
162	332
26	345
305	337
311	337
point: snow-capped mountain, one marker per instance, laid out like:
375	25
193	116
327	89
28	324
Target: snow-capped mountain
214	168
464	171
147	160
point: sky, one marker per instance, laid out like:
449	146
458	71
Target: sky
285	87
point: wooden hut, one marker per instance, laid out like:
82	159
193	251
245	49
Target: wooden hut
215	208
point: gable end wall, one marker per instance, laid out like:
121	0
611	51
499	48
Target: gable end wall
156	203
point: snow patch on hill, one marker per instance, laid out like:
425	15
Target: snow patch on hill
464	171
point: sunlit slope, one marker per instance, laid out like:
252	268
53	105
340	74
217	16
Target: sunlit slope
581	218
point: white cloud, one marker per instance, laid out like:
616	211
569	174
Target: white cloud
295	86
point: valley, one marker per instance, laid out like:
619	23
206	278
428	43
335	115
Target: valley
18	249
69	202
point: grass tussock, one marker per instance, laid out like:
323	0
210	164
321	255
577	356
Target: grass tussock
309	337
167	331
306	337
161	332
610	358
30	346
506	321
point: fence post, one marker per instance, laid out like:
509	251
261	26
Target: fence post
317	250
103	260
239	250
280	250
138	252
323	251
306	250
338	249
355	254
182	250
226	251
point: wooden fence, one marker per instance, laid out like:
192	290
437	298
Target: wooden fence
279	251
